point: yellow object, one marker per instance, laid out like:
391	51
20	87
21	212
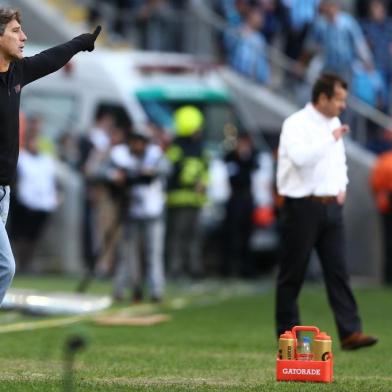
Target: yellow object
322	347
287	344
188	120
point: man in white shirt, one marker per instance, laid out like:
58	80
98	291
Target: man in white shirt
312	178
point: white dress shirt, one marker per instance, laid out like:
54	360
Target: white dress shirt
310	160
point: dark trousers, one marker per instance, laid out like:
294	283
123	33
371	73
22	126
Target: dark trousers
295	41
237	232
183	242
387	268
308	224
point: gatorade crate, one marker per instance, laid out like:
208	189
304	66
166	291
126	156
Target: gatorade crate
299	370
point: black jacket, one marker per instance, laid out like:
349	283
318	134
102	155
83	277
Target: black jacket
20	73
240	170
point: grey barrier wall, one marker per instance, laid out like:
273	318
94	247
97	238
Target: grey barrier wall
363	226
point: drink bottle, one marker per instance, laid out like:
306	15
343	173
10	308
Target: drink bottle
286	345
322	346
304	351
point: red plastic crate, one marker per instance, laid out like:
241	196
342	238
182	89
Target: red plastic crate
298	370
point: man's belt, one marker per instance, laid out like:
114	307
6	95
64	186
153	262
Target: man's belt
322	199
317	199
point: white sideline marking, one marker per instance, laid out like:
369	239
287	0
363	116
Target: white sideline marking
176	303
59	322
32	325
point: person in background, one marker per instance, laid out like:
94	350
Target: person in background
361	8
368	86
120	22
36	199
109	209
186	193
233	11
141	168
118	11
93	152
300	15
381	185
155	20
159	135
15	73
246	47
94	147
35	123
241	163
378	33
67	149
382	141
312	178
274	12
338	38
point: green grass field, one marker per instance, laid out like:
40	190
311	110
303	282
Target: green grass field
220	339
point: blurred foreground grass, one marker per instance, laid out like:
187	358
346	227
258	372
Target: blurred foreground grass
220	338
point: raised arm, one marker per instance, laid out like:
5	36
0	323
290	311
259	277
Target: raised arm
53	59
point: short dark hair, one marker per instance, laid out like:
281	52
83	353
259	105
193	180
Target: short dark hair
6	16
326	84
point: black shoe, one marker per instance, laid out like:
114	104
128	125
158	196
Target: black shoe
118	298
156	299
137	296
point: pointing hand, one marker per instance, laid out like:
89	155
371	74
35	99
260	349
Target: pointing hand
97	31
90	38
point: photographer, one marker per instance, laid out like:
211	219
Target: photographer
140	167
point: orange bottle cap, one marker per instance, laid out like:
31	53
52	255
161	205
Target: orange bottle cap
322	336
287	335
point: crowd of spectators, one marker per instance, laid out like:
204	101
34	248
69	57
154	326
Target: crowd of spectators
353	39
318	35
149	24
